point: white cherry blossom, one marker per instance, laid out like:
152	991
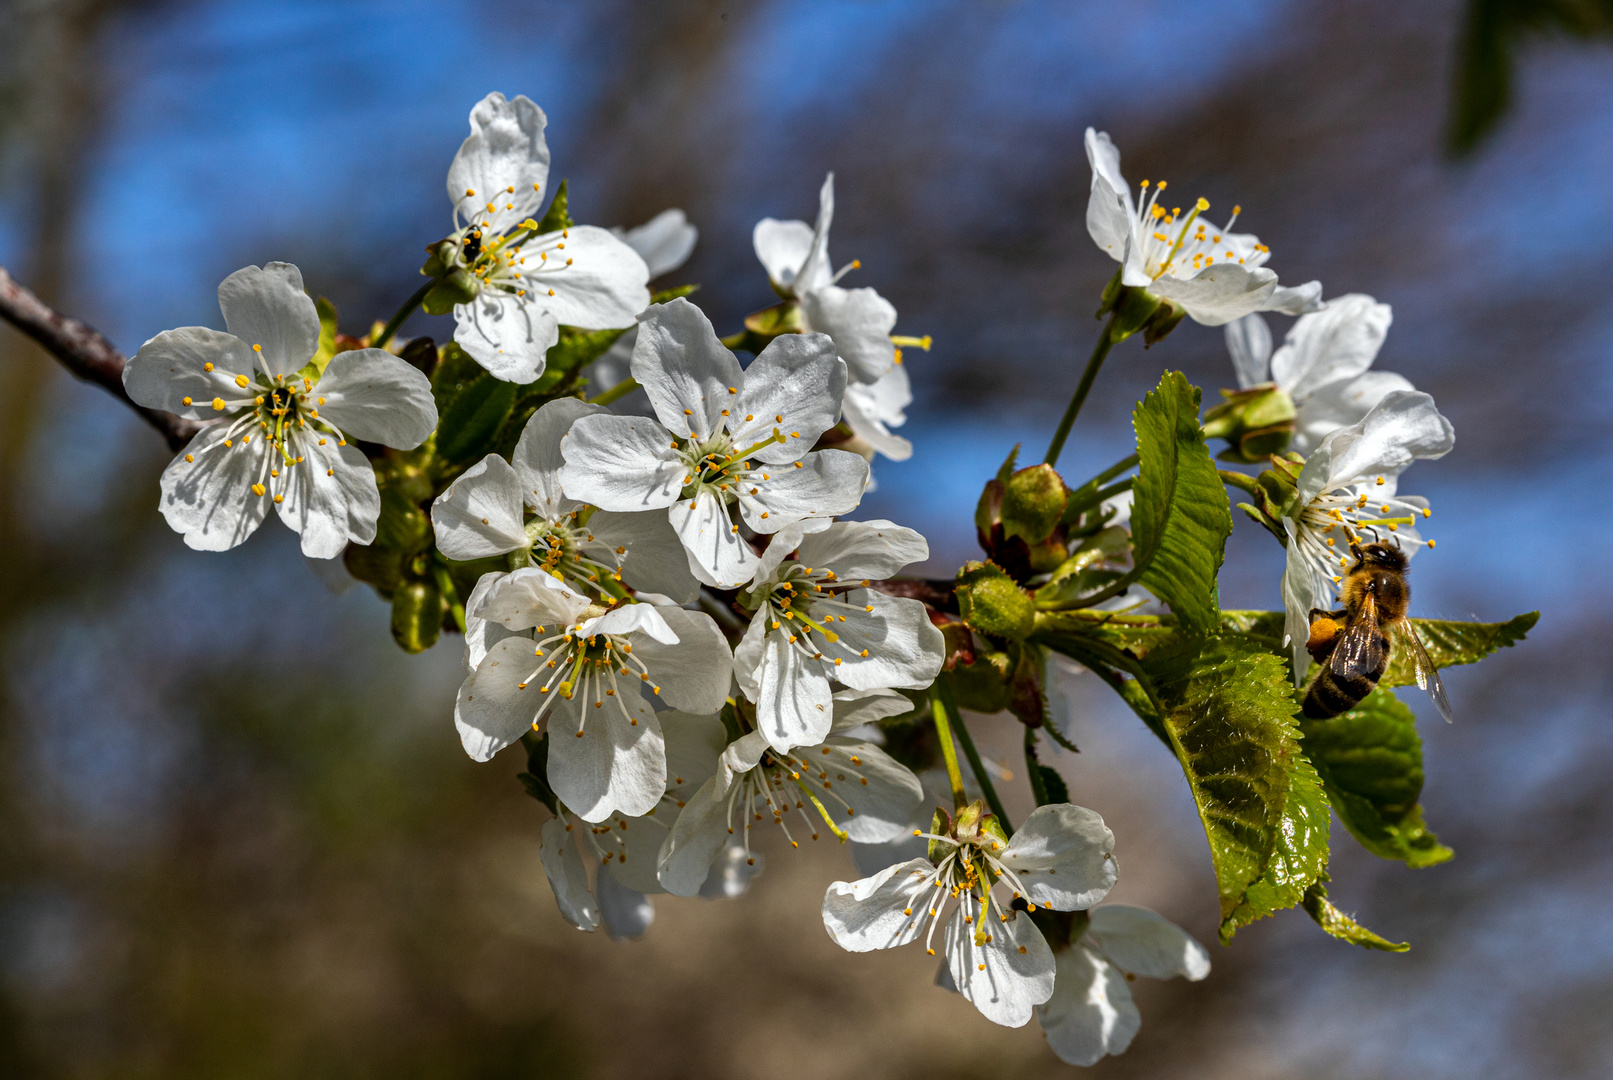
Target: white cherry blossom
283	433
1322	365
531	283
1061	858
623	849
845	783
665	243
575	669
816	622
1091	1013
518	507
1212	273
725	439
1348	487
859	321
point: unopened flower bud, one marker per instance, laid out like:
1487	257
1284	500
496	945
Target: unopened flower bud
1256	423
417	612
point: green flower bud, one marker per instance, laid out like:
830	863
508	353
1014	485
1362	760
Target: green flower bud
940	825
441	259
982	684
991	603
1032	504
417	611
402	526
1256	423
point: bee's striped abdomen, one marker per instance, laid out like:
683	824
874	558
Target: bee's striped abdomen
1333	693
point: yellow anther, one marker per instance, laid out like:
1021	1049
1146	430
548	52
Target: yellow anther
184	401
218	404
257	489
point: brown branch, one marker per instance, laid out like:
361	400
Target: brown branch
83	351
937	594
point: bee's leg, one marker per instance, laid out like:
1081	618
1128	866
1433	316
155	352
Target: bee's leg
1326	626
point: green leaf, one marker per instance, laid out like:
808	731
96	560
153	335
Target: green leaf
466	428
663	295
1180	516
571	353
1229	717
1451	644
558	215
1300	857
327	335
1340	925
1371	764
1053	784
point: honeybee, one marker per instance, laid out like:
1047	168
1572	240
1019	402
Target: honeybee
1353	645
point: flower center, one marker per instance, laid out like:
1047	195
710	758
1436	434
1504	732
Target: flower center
804	601
1346	513
564	549
1181	247
592	669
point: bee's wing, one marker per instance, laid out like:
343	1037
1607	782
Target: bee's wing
1360	649
1427	674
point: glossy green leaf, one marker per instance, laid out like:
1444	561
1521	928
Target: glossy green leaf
1341	926
1371	764
1451	644
467	428
1180	517
1228	714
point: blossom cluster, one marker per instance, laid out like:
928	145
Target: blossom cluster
667	605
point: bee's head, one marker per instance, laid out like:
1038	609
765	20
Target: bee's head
1378	557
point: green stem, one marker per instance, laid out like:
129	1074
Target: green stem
404	312
445	585
981	776
1241	481
1033	770
1101	350
615	393
949	751
1096	498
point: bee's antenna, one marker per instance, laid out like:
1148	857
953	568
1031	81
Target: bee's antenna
1373	529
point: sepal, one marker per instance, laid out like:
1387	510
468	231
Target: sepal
992	603
1256	423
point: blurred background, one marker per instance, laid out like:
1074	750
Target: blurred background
238	836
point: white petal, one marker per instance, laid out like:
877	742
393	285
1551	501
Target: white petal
695	673
854	708
1063	854
505	149
209	500
1334	345
494	709
172	367
870	914
563	866
860	321
530	597
825	483
329	497
1404	427
1144	943
664	242
1297	299
508	335
731	873
693	745
815	271
643	619
615	766
1342	404
868	410
1005	977
538	459
626	913
794	706
479	516
864	549
1091	1013
748	657
718	555
621	463
797	377
1221	293
372	395
684	369
482	634
1249	342
1110	216
904	648
879	792
268	307
779	548
782	246
591	279
654	560
696	837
